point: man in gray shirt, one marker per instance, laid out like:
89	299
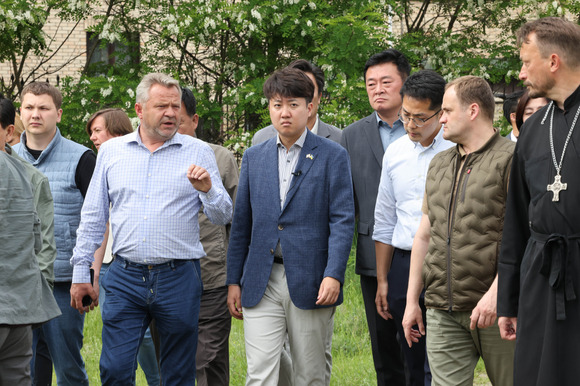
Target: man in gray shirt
26	299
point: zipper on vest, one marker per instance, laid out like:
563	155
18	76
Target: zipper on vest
450	217
459	168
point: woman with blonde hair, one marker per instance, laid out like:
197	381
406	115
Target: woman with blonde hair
14	138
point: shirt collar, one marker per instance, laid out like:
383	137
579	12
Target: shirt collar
436	141
379	120
461	150
385	124
299	142
572	99
135	137
315	127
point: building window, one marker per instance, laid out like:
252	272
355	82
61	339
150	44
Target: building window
108	54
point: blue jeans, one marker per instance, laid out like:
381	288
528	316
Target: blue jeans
64	337
147	357
170	293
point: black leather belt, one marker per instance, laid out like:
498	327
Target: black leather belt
170	263
278	260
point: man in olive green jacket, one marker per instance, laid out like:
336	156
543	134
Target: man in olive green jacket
455	250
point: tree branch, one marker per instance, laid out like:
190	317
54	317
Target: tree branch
454	16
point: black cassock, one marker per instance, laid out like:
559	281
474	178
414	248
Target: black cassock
539	265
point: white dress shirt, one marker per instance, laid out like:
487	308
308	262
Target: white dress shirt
315	127
401	190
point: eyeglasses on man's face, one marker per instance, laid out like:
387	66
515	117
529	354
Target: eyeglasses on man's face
419	122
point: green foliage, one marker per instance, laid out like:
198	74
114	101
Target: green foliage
22	35
224	50
89	94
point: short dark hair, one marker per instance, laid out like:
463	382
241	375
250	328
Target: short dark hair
117	122
521	107
188	101
510	103
425	85
390	56
42	88
7	112
289	83
309	67
553	35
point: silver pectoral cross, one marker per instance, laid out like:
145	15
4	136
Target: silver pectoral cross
557	187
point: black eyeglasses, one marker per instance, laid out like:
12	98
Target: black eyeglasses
419	122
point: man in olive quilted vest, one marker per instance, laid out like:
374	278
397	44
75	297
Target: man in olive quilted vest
455	250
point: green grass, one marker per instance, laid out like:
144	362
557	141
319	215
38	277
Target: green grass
351	349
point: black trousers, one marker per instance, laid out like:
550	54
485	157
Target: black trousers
418	373
385	346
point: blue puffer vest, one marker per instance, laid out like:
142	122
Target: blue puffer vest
59	163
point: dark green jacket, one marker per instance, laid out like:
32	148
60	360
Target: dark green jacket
461	262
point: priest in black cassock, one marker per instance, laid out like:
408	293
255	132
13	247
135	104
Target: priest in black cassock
539	267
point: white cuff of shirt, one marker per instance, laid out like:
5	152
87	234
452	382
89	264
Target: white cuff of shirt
209	195
81	274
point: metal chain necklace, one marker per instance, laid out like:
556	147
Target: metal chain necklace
558	185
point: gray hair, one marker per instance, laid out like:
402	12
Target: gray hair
151	79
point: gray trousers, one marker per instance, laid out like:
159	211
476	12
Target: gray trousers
265	329
15	355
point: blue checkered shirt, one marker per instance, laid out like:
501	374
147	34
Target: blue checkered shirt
153	206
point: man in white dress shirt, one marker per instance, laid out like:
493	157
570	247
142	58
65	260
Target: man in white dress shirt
398	208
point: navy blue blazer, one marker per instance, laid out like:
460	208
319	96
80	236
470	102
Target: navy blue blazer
315	227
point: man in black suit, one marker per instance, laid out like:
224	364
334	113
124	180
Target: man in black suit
366	141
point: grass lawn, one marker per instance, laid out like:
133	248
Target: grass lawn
351	349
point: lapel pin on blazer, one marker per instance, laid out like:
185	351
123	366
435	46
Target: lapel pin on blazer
309	156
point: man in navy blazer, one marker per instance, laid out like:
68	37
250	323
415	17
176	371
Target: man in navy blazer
324	130
314	123
290	238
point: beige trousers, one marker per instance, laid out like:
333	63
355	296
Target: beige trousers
265	328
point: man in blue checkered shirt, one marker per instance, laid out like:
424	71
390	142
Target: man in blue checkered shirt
154	181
